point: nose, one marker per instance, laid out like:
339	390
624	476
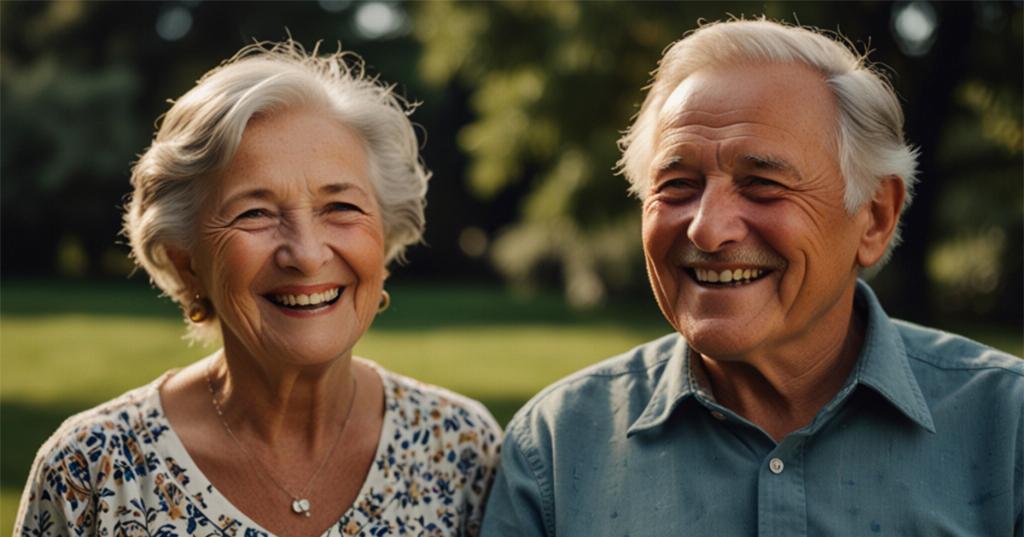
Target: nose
304	248
719	219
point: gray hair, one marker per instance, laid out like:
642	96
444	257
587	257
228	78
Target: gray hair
201	133
869	129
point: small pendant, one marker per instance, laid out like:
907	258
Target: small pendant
301	507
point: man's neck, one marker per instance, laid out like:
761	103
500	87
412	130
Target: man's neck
783	392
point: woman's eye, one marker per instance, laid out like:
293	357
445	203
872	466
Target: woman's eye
253	214
341	206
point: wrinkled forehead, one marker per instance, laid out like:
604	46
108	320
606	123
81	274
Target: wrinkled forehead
788	98
295	151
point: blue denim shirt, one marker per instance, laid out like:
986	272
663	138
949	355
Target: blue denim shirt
926	438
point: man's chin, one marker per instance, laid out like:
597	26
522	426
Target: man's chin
718	339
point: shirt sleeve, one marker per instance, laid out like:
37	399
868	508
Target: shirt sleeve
57	499
519	505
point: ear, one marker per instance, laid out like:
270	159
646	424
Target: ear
182	261
883	214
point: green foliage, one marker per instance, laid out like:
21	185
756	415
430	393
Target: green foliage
522	105
553	84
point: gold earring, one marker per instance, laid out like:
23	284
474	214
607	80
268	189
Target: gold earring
385	301
199	309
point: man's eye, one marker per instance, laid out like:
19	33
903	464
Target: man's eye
677	185
761	181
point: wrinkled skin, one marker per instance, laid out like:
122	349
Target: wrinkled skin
295	207
745	175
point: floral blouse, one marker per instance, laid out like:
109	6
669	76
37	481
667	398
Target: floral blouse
120	470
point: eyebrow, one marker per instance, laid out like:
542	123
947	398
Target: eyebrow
256	194
266	194
338	188
770	163
670	164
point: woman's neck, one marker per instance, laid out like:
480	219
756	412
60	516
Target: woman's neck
282	405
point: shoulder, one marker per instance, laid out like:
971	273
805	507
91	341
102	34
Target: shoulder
82	439
951	367
943	350
445	448
95	428
89	452
625	381
424	411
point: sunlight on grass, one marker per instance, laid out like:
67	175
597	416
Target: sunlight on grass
9	498
67	347
59	364
83	359
500	361
86	358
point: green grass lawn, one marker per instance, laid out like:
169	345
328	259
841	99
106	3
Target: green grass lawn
65	347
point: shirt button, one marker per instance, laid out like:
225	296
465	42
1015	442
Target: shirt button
776	465
717	415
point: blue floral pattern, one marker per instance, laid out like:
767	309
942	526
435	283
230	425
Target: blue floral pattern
119	470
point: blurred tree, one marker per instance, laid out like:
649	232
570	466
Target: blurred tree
535	94
554	83
83	83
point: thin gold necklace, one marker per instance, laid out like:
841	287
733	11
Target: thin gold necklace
300	503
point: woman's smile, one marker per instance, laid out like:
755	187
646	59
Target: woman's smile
304	242
303	301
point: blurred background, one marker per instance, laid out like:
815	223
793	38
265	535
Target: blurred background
532	265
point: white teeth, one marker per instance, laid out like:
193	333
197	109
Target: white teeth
307	300
740	276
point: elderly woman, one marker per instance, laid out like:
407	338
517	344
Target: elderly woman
269	205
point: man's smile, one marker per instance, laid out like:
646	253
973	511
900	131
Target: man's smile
729	277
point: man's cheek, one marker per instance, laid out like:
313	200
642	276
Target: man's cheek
661	227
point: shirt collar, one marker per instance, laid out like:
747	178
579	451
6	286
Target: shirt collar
882	366
675	384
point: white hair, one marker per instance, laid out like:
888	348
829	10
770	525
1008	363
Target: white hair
203	129
869	129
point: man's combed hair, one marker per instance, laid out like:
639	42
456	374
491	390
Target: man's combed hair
201	132
869	129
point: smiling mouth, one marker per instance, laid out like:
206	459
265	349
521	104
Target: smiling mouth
727	277
308	302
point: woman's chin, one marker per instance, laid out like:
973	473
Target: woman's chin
295	347
317	349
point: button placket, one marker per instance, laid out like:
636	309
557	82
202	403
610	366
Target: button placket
782	503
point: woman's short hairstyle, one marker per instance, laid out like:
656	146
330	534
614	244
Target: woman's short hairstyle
201	132
869	129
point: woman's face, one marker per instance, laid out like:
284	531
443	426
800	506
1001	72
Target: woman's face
290	242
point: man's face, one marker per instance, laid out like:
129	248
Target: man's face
749	247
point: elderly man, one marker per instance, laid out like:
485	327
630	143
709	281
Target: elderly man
772	170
